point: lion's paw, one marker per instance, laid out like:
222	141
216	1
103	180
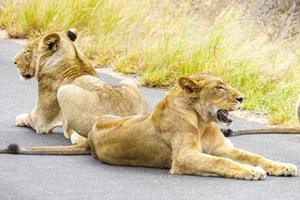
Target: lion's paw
256	173
77	139
282	169
21	119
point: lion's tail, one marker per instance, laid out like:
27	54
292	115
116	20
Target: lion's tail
82	149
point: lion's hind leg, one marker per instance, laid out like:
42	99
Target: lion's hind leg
72	135
67	129
80	109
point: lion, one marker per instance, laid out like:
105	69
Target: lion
181	134
69	92
54	60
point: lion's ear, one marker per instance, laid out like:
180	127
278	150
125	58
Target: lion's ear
51	41
72	34
189	85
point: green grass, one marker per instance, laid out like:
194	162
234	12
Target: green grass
162	40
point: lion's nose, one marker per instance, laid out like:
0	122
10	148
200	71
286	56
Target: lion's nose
14	61
240	99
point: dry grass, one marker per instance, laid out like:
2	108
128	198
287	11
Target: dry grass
162	40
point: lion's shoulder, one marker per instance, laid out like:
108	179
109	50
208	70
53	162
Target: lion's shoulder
173	113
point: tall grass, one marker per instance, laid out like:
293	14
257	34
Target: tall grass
162	40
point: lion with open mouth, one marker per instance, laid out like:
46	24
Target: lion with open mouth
182	134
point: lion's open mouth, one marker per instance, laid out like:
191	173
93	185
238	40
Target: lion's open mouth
224	116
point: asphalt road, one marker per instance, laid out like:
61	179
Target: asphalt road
82	177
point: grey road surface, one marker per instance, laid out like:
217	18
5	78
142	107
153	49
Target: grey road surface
82	177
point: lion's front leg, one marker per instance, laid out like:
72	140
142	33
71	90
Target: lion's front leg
66	128
31	120
196	163
23	120
272	167
37	121
279	169
217	145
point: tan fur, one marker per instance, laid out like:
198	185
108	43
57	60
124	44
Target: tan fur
87	99
181	134
26	59
54	61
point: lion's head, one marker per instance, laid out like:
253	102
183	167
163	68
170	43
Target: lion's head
49	51
58	53
27	58
211	97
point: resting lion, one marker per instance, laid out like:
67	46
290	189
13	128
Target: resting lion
67	81
181	134
53	60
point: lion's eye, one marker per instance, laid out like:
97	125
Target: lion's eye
220	88
27	51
